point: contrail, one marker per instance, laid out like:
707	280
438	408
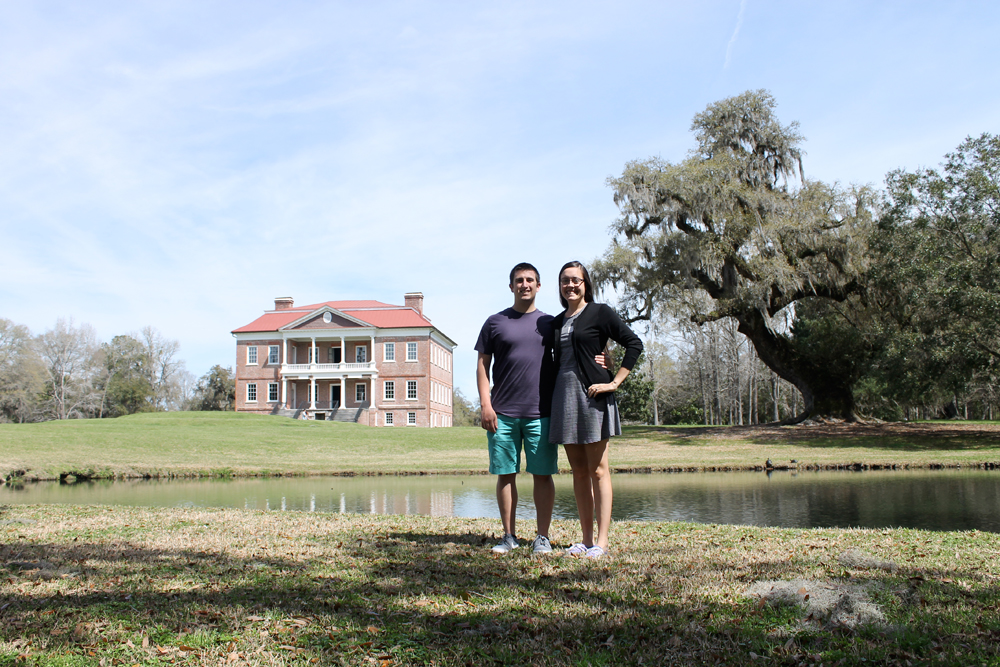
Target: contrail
736	32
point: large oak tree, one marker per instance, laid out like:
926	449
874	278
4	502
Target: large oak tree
735	230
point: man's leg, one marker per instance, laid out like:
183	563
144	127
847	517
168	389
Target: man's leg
505	461
545	500
542	461
507	502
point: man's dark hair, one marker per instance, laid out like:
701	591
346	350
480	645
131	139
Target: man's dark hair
524	266
588	286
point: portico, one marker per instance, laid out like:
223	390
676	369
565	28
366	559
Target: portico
363	361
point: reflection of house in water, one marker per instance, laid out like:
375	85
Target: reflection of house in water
362	361
434	503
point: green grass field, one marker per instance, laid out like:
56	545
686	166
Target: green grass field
216	443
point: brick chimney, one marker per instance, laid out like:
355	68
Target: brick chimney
414	300
283	303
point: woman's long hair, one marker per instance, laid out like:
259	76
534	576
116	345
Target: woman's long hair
588	285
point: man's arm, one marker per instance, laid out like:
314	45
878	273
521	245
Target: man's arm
487	417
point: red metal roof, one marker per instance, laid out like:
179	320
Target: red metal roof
375	313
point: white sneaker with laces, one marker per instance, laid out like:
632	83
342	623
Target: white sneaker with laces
541	545
507	543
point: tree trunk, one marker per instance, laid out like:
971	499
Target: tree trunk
824	392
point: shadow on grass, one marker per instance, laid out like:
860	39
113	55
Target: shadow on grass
416	597
911	437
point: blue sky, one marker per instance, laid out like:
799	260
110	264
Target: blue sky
181	164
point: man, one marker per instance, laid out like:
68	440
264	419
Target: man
515	414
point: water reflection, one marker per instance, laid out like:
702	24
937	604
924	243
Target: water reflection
938	500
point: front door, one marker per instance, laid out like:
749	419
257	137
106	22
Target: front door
335	395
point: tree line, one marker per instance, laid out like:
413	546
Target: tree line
67	373
769	296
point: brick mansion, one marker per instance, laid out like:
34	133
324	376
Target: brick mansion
361	361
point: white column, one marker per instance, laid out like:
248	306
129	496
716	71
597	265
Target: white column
312	355
371	359
343	360
284	392
312	390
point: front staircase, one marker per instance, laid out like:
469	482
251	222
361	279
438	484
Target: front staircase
331	413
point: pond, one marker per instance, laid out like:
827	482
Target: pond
933	500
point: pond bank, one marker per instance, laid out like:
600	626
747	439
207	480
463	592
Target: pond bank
76	476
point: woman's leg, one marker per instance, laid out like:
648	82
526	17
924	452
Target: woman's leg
599	474
583	489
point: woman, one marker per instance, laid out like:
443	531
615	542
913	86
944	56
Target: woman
584	412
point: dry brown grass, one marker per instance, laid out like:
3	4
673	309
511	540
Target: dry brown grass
133	586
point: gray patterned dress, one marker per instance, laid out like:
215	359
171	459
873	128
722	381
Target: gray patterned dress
576	418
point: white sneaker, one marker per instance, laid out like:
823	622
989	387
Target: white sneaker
507	543
541	545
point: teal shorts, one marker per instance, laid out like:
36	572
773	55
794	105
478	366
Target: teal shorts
542	457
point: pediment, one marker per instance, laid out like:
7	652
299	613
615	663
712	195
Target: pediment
318	320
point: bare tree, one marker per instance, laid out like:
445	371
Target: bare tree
69	356
21	374
166	373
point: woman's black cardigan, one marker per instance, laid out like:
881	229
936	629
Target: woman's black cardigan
594	326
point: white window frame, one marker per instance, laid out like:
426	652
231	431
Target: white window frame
411	348
272	390
411	418
411	385
361	354
360	392
251	355
388	352
389	390
251	392
389	419
273	354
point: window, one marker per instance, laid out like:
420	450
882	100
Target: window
361	354
411	390
311	348
411	418
251	393
251	354
272	392
390	391
359	393
388	419
411	351
390	351
272	354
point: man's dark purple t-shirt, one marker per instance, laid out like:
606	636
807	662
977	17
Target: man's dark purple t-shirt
523	377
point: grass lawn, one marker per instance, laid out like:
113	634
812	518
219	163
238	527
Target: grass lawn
214	443
129	586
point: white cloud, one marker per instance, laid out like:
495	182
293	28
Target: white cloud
736	33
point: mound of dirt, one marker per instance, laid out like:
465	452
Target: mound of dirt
824	604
